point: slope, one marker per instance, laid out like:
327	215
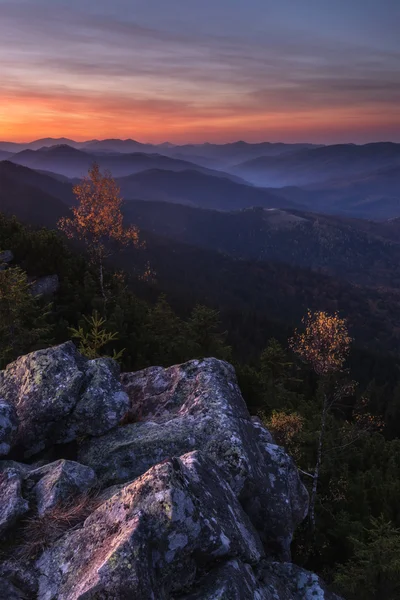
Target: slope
319	164
197	189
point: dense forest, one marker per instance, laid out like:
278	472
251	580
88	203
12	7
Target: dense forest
150	320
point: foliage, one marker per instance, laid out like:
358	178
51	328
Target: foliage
324	344
286	429
374	571
204	329
97	219
94	338
23	318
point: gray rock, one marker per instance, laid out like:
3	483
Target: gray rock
102	402
59	482
198	406
235	580
45	286
18	580
21	468
289	582
13	505
9	591
147	541
6	256
59	395
8	427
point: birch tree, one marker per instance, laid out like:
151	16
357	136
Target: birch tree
97	219
324	345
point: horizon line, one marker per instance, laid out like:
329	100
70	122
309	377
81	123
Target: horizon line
190	143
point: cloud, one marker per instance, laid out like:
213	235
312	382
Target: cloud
62	58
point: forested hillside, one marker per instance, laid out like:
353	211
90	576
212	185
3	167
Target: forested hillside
357	504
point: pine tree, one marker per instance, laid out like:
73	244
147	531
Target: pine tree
374	571
24	322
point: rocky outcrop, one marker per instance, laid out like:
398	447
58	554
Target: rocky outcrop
151	537
59	395
199	406
184	495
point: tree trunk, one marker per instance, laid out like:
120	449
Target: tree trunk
103	293
318	464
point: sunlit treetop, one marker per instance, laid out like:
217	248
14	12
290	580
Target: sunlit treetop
97	218
324	343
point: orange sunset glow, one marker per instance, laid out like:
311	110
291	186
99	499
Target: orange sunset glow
94	71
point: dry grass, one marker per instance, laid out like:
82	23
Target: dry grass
38	533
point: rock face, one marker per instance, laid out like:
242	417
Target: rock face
58	483
190	501
12	504
198	405
236	580
59	395
8	427
149	539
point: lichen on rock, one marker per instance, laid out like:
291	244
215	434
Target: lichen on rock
198	405
59	395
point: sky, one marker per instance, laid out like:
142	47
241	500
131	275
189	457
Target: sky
325	71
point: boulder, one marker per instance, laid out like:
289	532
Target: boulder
8	427
290	582
21	468
235	580
198	406
13	505
60	395
57	483
45	286
6	256
18	580
148	541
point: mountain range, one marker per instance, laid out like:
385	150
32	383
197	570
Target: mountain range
316	165
230	153
361	181
71	162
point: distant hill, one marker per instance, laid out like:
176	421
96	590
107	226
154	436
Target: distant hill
121	146
72	162
259	290
197	189
37	144
371	195
47	182
319	165
31	197
208	155
4	154
346	248
230	154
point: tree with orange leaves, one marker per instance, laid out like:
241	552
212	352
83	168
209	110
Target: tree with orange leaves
324	345
97	219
